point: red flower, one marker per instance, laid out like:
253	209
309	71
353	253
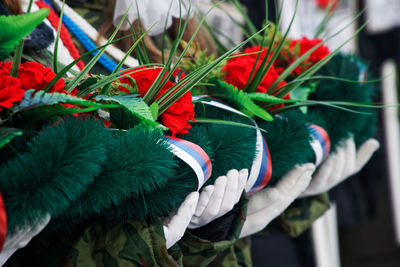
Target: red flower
287	57
5	67
323	4
306	44
10	91
176	117
238	70
33	75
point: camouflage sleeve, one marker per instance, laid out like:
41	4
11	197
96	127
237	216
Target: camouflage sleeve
236	255
201	252
299	216
132	243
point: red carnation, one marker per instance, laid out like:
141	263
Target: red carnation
176	117
287	57
238	70
10	91
33	75
306	44
323	4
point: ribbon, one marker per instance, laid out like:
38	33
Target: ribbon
105	61
64	34
3	222
194	156
320	144
261	169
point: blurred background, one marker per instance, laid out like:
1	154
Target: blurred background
362	226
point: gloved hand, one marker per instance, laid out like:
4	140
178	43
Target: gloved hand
20	239
345	162
176	224
268	203
218	199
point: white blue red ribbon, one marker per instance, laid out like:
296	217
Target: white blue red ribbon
261	170
320	144
194	156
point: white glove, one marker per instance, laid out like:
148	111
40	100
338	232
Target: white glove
218	199
268	203
176	224
20	239
345	162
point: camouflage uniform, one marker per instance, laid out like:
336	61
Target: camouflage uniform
91	10
299	216
229	252
132	243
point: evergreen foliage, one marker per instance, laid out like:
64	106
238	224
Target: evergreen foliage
342	124
234	147
288	140
139	162
55	169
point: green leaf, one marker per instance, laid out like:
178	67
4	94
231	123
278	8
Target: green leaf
74	82
57	110
14	28
86	83
6	134
302	93
133	106
40	99
154	110
192	79
55	53
268	98
238	98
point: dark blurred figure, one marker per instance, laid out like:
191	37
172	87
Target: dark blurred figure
256	11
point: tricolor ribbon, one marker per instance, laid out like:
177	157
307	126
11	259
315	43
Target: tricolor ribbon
261	170
320	144
3	222
194	156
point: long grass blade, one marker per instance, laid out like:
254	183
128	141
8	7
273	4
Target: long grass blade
106	88
318	65
160	81
297	62
184	86
113	77
66	69
55	53
93	61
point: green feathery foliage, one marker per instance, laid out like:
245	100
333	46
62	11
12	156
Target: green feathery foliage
16	27
236	98
234	147
139	162
288	140
160	202
341	124
56	168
